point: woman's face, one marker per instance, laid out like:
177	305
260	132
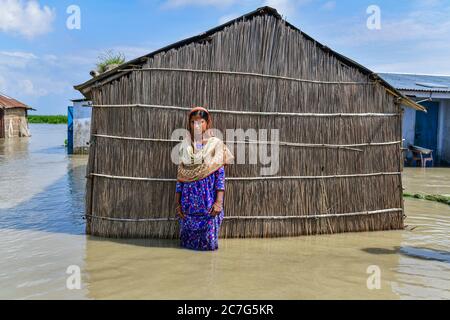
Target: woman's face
198	125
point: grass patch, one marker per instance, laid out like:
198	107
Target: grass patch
56	119
109	58
430	197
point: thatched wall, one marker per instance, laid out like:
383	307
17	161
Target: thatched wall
262	45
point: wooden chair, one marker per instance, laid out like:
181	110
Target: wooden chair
421	154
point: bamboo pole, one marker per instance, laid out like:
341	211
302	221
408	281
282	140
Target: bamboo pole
269	76
284	114
252	178
310	216
281	143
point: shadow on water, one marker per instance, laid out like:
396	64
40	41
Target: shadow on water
58	208
414	252
150	243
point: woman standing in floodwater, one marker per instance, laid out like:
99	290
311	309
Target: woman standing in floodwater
200	184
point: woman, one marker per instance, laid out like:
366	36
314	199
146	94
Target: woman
200	184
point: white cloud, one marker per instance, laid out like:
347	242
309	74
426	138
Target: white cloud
131	52
2	84
440	64
88	58
28	88
31	83
29	76
16	59
415	40
18	54
183	3
284	7
287	8
228	17
26	18
329	5
421	26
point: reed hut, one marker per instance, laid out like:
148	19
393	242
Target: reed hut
339	130
13	118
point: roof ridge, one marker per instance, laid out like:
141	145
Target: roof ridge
266	10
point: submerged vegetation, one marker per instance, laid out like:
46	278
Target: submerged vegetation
431	197
51	119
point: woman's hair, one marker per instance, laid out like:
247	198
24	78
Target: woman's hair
203	113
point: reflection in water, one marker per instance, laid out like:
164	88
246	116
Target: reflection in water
426	254
424	268
42	233
294	268
427	180
41	203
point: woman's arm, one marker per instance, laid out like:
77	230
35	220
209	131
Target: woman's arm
220	191
219	197
178	199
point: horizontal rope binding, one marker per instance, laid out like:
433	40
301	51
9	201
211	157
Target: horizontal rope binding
252	178
281	143
257	113
253	74
316	216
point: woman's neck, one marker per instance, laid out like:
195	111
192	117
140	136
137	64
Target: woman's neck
202	139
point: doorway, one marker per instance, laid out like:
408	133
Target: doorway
2	123
427	126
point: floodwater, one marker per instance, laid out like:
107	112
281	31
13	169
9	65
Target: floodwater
42	235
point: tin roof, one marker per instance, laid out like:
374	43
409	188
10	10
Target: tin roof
418	82
7	102
79	100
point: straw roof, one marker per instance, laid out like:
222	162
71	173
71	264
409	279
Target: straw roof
85	87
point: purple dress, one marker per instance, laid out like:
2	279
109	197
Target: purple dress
199	230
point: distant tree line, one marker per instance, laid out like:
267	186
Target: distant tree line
51	119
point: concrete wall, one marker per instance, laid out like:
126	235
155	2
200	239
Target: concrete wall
81	128
443	135
408	126
444	132
15	118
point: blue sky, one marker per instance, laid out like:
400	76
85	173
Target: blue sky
41	59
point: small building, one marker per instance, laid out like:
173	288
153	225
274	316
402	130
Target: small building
13	118
337	122
429	130
78	126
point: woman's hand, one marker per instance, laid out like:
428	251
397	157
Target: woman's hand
216	209
180	211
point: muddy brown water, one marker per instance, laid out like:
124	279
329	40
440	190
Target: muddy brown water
42	234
